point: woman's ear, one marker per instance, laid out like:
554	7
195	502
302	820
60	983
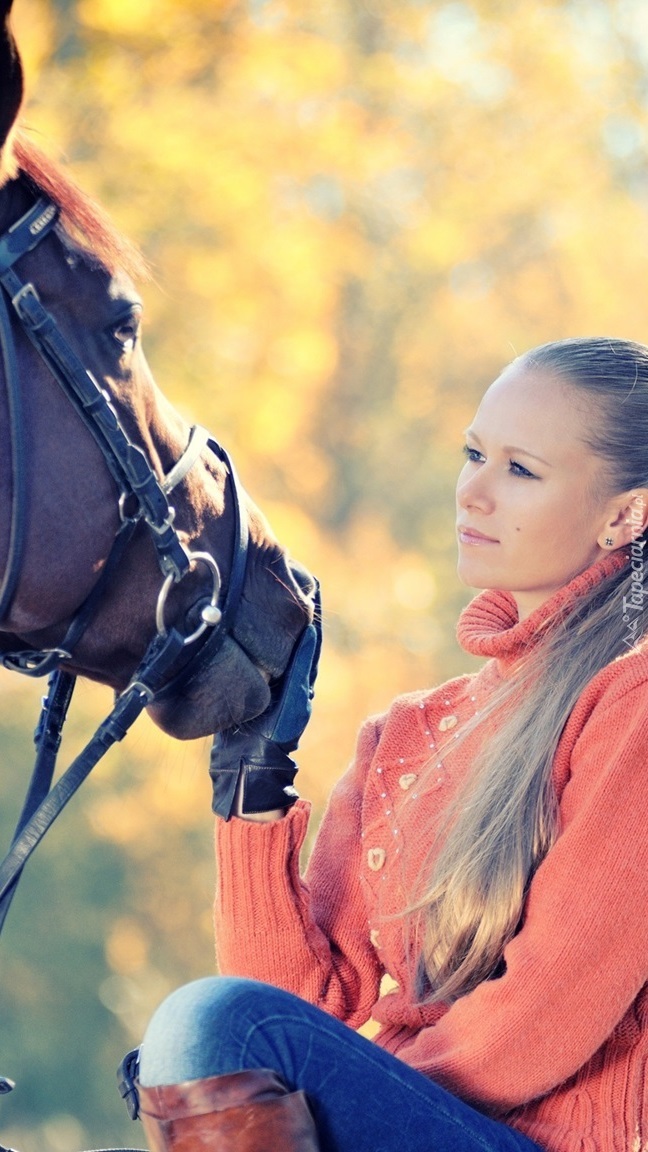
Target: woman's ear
11	83
627	519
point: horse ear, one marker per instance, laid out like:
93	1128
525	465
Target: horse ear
11	76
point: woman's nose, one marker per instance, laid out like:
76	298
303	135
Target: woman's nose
473	491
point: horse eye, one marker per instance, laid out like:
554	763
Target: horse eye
127	331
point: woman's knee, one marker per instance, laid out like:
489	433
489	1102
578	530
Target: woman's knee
205	1029
200	1029
198	1005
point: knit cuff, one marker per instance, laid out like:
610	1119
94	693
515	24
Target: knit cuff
258	883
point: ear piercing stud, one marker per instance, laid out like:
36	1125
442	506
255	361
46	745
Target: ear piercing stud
609	541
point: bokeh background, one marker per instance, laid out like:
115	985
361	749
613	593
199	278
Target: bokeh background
356	212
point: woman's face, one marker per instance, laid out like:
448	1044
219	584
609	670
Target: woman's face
533	488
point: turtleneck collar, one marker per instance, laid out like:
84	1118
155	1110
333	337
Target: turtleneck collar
489	625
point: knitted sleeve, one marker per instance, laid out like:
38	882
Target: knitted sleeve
309	935
581	956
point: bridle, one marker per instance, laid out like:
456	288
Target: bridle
173	656
142	495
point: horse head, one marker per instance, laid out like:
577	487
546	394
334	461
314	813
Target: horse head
82	274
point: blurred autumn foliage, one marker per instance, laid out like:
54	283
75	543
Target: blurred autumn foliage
355	213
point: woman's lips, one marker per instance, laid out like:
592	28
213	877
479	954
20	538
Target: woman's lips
472	536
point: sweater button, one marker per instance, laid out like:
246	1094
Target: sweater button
406	780
374	936
447	722
376	858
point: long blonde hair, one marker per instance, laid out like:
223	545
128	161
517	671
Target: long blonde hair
469	903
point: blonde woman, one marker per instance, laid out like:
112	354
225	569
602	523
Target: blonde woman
488	848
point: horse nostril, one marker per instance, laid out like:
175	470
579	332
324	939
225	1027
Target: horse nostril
302	577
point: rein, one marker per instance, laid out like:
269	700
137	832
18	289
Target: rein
172	658
142	497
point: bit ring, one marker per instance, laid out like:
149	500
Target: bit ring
211	613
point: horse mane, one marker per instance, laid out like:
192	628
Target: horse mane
84	221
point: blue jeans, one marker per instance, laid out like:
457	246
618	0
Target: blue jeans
363	1099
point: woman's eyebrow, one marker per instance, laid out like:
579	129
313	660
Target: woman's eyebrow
510	448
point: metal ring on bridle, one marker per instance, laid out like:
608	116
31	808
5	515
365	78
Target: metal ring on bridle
123	515
211	613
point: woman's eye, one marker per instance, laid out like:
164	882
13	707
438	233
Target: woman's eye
520	470
472	454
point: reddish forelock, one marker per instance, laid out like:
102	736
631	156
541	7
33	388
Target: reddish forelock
85	221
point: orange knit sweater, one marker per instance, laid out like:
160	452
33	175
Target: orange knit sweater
558	1045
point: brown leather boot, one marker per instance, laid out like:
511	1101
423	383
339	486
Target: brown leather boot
243	1112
